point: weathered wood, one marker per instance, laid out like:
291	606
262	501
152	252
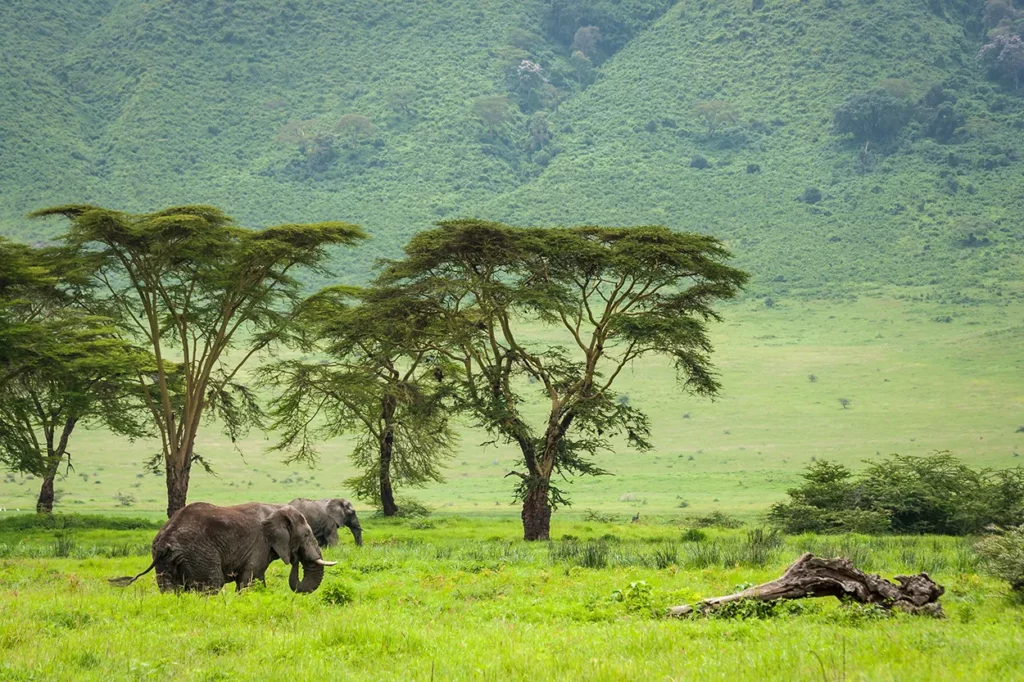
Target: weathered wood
811	576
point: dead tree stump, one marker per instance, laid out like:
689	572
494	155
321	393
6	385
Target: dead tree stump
814	577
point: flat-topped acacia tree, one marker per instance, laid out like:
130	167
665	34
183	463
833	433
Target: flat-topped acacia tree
373	375
206	295
618	293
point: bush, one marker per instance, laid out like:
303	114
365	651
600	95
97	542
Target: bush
694	535
744	609
636	597
1002	554
25	522
409	508
934	494
699	162
337	594
811	195
716	519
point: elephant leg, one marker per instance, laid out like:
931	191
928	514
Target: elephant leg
244	579
204	576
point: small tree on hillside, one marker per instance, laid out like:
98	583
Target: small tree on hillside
204	295
540	131
618	294
586	40
716	113
355	129
874	116
493	111
402	99
377	380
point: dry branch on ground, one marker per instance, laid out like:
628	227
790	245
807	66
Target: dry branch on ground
811	576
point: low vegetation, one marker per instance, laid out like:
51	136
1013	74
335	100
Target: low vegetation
903	494
412	600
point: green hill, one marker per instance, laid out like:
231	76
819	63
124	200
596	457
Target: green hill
390	115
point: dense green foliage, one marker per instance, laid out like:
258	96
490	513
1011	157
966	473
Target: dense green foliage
902	494
369	112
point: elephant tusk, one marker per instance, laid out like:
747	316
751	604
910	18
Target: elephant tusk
326	563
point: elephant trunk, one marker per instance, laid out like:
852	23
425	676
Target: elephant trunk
312	576
357	533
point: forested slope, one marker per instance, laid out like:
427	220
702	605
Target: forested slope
396	114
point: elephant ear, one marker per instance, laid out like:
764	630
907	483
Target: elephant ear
277	529
336	509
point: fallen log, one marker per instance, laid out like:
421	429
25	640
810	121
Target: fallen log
811	576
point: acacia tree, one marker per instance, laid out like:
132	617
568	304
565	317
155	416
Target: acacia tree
84	374
77	370
618	294
205	295
377	379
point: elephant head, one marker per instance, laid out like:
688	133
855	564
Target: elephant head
344	514
291	538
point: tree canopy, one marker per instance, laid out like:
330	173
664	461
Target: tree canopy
192	285
617	293
377	378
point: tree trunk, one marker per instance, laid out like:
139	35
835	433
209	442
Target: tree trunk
814	577
387	448
45	503
537	512
177	483
387	493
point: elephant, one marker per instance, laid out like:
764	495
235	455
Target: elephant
326	516
204	546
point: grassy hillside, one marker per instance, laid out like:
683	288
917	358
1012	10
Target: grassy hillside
896	217
369	112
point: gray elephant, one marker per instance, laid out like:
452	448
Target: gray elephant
326	516
203	546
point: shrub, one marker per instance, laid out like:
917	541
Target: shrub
25	522
636	597
409	508
1002	554
699	162
716	519
811	195
744	609
694	535
337	594
934	494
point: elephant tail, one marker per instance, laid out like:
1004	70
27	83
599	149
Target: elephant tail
125	581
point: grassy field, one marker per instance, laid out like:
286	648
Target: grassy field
452	598
916	385
458	596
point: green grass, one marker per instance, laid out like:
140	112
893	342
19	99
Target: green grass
467	600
